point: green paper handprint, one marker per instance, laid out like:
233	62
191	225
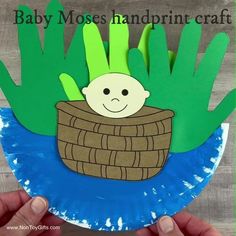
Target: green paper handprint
97	54
184	89
33	102
105	57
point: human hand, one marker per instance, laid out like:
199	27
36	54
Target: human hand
182	224
185	89
20	215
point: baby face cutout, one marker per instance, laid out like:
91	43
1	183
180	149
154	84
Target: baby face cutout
115	95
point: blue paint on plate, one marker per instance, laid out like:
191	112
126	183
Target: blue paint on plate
101	204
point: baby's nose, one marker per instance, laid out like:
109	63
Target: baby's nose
115	99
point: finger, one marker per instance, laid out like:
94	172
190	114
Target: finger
194	226
144	232
143	46
45	230
29	44
137	66
76	58
52	220
54	33
167	227
211	63
153	228
225	108
70	87
187	51
4	219
118	45
158	52
95	52
29	39
38	231
143	43
7	85
29	215
12	201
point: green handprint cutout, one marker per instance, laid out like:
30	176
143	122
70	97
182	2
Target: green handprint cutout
143	46
184	89
33	102
106	57
97	54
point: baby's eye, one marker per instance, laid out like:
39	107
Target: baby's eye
125	92
106	91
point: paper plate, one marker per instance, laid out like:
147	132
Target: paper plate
102	204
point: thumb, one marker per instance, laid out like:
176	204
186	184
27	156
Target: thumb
166	226
24	220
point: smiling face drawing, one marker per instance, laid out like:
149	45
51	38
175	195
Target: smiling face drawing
115	95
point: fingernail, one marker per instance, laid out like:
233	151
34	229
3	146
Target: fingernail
38	205
166	224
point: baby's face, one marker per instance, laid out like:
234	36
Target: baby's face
115	95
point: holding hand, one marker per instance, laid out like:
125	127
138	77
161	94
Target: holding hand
182	224
21	216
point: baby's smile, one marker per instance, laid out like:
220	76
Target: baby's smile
116	111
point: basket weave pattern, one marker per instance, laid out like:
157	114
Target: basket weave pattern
133	148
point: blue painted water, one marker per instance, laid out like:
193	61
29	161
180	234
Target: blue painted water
101	204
